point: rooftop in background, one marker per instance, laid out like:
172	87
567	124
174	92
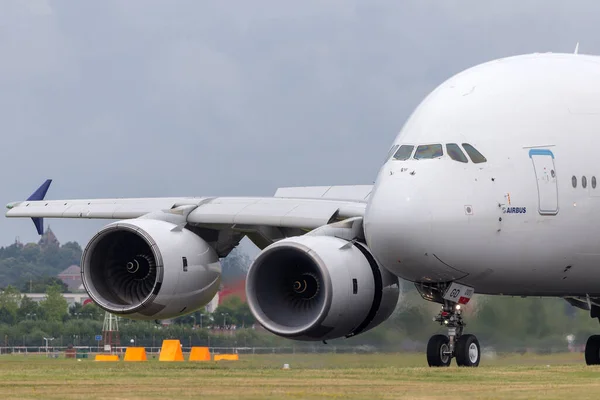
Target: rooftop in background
72	278
72	271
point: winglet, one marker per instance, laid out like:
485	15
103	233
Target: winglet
39	194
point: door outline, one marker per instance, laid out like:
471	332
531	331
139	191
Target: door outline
546	181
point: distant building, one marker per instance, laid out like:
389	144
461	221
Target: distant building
48	239
72	278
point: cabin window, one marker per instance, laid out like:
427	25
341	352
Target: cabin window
475	156
574	181
404	152
593	182
428	151
584	181
456	153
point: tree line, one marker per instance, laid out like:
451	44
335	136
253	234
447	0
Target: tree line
26	265
24	322
503	323
500	322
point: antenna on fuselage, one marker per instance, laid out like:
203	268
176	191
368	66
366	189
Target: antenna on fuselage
576	48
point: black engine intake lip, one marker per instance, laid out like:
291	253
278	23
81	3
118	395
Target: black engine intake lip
267	302
91	272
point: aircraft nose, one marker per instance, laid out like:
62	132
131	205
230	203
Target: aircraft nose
398	227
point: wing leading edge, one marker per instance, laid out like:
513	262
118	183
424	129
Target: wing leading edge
307	211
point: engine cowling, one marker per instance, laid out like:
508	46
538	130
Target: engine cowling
149	269
318	288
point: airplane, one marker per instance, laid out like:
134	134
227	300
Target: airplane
490	187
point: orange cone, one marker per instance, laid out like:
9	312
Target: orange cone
135	354
200	354
171	351
106	357
230	357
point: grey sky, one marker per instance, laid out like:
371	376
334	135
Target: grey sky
165	98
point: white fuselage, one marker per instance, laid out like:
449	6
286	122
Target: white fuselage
514	224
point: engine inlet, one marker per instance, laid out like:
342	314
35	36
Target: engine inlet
120	269
287	290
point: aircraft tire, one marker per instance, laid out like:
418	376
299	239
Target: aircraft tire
436	347
467	351
592	350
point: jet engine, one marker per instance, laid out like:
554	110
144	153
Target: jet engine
318	288
149	269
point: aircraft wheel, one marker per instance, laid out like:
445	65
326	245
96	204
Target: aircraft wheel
467	351
438	351
592	350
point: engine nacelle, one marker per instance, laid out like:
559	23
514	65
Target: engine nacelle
149	269
318	288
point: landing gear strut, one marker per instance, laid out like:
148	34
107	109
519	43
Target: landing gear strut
441	348
465	348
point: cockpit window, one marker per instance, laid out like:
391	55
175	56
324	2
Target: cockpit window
426	151
392	151
404	152
456	153
476	156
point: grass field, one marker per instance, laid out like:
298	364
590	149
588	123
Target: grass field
328	376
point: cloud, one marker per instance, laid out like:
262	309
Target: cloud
154	98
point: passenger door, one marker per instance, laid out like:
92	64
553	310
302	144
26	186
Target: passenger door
545	173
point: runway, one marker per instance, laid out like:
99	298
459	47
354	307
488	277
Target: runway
311	376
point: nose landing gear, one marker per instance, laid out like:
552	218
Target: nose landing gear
442	348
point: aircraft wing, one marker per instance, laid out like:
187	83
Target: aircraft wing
272	211
303	208
163	260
